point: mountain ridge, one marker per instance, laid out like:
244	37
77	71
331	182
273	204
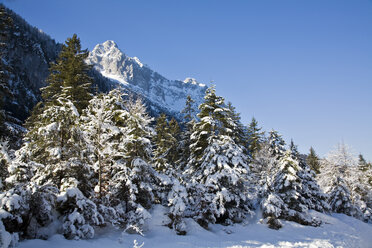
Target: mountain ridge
138	77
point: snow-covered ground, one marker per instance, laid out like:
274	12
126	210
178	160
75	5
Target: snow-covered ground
338	231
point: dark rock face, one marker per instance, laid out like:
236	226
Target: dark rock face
28	53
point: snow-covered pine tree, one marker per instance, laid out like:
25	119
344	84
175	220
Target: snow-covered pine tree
167	155
276	144
294	150
15	195
178	202
56	144
163	142
188	124
166	140
262	166
71	72
59	144
55	138
15	211
138	132
170	184
103	124
285	199
313	196
362	162
217	170
133	183
364	189
265	160
239	131
255	137
212	123
288	186
344	182
332	179
219	185
13	202
366	168
34	203
174	153
4	162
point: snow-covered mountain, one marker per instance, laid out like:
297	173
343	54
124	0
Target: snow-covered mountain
161	93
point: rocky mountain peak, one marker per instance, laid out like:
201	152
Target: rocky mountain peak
162	93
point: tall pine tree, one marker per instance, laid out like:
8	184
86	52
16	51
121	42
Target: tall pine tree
55	152
188	124
239	132
103	123
313	161
255	137
217	170
70	72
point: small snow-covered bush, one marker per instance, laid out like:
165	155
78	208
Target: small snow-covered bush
133	187
42	211
78	214
15	209
178	202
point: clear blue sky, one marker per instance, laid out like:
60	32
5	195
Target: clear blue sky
301	67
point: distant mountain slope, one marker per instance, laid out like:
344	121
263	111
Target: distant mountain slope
161	93
29	52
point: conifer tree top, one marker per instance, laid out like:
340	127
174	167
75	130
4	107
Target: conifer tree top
70	72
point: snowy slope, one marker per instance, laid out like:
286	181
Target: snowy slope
338	231
112	63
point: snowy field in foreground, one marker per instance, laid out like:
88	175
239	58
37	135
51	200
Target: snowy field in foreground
338	231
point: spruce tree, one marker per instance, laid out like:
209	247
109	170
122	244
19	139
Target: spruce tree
313	161
133	183
54	157
239	132
346	184
103	123
55	138
70	72
189	111
175	131
255	137
215	119
162	140
167	143
313	196
366	169
218	167
188	124
290	194
276	144
219	185
138	132
363	163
